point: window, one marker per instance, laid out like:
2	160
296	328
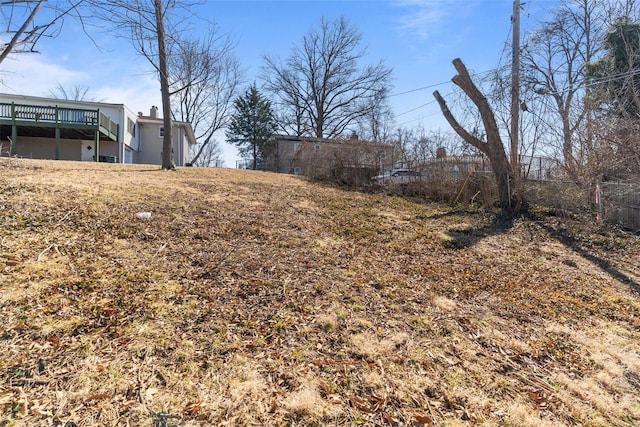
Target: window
161	134
316	147
131	127
297	147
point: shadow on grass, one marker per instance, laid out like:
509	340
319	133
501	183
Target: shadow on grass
461	238
465	238
570	241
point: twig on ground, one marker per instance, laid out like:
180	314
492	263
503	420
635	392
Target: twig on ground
51	246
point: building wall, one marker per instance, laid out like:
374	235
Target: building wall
118	113
318	157
109	148
150	145
284	151
70	149
180	146
129	131
45	148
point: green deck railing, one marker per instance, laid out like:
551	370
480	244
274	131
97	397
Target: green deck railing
11	113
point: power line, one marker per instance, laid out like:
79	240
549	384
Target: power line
596	82
442	83
593	82
414	109
419	89
423	105
419	118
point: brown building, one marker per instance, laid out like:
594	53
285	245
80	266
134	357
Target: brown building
348	159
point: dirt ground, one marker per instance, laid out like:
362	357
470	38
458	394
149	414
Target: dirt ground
251	298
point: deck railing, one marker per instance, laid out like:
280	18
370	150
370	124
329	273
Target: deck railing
108	124
57	116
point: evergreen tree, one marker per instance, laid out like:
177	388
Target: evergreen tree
615	91
615	78
252	126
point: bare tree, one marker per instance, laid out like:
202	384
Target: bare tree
28	21
163	71
424	145
321	86
205	78
555	60
290	101
210	155
493	147
75	93
377	123
615	87
145	21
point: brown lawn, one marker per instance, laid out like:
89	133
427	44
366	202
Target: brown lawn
251	298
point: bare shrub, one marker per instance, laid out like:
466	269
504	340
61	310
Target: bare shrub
562	198
443	190
478	190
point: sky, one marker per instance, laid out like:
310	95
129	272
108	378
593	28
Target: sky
418	39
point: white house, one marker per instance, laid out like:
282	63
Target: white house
48	128
150	137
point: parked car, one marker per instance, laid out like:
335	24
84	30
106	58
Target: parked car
398	175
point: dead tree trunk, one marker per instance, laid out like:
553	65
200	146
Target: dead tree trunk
493	147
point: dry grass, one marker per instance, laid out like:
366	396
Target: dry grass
261	299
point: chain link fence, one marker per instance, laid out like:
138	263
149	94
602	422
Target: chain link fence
619	203
468	180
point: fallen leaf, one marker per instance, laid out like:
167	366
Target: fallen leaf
192	408
422	420
98	396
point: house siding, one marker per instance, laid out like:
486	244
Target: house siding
327	158
137	140
44	148
150	147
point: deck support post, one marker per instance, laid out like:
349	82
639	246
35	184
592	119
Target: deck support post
14	131
57	143
96	141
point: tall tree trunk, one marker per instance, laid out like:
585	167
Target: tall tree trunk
493	147
167	146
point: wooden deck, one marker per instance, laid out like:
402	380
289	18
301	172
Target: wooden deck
58	117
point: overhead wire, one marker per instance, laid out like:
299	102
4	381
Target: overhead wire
591	83
480	74
586	83
419	89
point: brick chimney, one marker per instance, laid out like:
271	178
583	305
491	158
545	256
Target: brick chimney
154	112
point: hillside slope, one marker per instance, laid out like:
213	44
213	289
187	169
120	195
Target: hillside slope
250	298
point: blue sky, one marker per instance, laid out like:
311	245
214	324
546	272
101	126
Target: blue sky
417	38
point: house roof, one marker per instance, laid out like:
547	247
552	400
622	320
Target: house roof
27	98
327	140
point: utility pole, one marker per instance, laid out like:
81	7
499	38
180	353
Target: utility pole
515	94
